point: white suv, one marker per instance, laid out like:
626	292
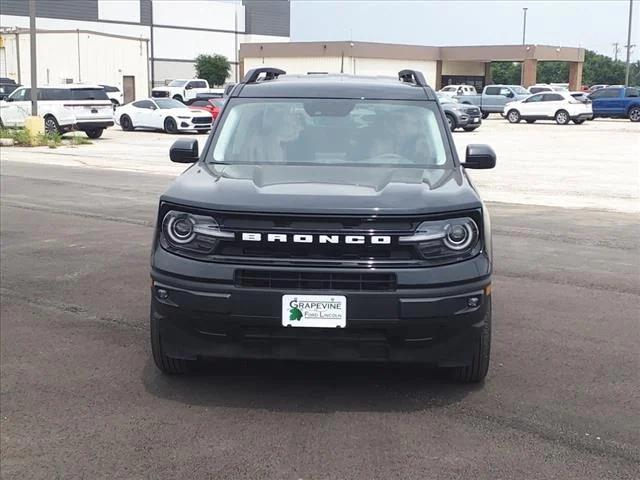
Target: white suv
64	108
561	106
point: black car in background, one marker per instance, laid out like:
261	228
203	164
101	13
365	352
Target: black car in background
7	85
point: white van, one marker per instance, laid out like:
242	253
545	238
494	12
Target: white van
68	107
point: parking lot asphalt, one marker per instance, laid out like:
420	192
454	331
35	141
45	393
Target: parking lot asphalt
81	398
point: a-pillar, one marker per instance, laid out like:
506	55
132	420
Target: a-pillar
575	76
529	68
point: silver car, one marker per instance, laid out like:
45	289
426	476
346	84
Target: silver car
460	115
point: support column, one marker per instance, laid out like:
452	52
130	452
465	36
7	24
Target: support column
529	71
488	80
575	76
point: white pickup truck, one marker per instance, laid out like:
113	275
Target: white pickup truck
182	89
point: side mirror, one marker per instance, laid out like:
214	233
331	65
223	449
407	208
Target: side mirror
188	87
8	99
184	151
479	157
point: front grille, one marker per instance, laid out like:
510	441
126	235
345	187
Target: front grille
197	120
359	282
159	94
473	111
315	252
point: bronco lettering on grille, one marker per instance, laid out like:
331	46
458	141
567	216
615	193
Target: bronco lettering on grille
308	238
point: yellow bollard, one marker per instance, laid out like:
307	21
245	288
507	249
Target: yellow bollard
34	126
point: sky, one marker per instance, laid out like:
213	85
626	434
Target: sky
592	24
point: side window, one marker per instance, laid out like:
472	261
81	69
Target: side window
610	93
21	95
632	92
492	91
552	97
198	84
53	94
534	98
144	104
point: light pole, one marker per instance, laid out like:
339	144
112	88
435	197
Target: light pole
626	75
524	37
34	70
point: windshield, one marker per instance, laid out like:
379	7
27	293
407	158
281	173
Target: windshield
519	90
178	83
164	103
330	132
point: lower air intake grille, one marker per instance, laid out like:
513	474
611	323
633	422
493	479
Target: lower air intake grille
359	282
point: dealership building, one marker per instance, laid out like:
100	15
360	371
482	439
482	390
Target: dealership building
132	44
441	65
137	44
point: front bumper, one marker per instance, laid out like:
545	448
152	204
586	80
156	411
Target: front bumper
187	124
427	324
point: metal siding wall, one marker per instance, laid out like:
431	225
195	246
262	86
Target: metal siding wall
67	9
267	17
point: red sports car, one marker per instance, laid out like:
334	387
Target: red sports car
211	105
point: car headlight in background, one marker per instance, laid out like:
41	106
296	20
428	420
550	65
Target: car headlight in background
190	233
445	241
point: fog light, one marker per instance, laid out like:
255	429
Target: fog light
473	302
162	293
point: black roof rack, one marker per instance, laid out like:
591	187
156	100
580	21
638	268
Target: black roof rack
269	74
412	76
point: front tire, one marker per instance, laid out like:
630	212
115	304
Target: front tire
94	132
513	116
485	115
126	124
477	370
51	126
634	114
562	117
178	98
170	125
451	121
166	364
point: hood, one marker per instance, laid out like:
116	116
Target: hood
187	112
323	189
457	106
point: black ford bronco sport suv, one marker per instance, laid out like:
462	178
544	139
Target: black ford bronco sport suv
327	217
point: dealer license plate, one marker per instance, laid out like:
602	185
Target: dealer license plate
320	311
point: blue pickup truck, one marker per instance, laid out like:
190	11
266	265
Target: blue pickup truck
617	102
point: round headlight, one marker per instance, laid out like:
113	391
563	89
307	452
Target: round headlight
459	236
180	229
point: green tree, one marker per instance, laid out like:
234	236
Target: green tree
507	73
552	72
213	68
